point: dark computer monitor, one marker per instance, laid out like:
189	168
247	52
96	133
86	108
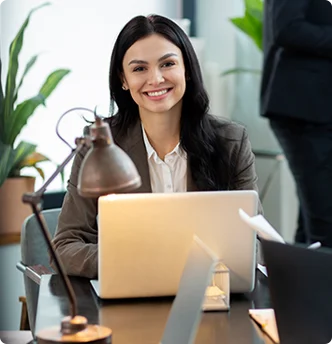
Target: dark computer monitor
300	284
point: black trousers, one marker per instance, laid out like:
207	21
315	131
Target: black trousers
308	149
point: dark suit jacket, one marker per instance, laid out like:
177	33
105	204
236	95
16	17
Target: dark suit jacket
76	237
297	74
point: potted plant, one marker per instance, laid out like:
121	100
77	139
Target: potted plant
14	156
251	24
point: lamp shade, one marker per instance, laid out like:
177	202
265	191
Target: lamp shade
106	168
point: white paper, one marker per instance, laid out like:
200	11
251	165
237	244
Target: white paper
262	269
267	322
261	226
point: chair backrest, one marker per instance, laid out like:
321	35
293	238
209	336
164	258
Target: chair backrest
34	251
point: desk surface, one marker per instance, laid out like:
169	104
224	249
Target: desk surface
143	321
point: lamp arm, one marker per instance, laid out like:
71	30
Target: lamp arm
80	144
34	199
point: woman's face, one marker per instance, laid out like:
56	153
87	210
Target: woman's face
154	74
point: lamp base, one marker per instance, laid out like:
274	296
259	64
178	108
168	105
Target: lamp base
75	330
92	334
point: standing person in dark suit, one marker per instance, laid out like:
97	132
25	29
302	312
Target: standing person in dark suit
296	96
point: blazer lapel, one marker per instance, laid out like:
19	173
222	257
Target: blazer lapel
132	143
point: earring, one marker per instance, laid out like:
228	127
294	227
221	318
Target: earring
124	88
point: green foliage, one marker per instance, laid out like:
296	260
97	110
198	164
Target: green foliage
241	70
252	21
14	117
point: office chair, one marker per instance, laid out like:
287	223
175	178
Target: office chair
35	259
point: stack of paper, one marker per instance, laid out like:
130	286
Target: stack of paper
266	320
264	230
261	226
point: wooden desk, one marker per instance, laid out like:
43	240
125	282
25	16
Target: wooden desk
143	321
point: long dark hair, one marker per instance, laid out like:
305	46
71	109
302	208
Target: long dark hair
198	133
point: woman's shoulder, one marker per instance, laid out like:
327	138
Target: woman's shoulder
113	120
114	124
227	128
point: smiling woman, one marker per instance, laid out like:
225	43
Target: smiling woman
154	73
163	124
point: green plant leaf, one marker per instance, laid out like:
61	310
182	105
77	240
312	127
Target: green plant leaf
240	70
20	116
257	36
40	171
252	21
1	90
251	27
26	71
25	109
23	150
2	105
52	81
14	51
33	159
7	155
245	25
255	8
13	118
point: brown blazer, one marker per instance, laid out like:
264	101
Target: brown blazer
76	238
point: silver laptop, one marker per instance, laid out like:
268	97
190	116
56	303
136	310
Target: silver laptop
144	240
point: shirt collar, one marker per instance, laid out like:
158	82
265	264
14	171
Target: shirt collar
179	151
150	150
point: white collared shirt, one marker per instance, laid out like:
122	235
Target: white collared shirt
169	175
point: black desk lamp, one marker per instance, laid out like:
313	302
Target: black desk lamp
105	169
